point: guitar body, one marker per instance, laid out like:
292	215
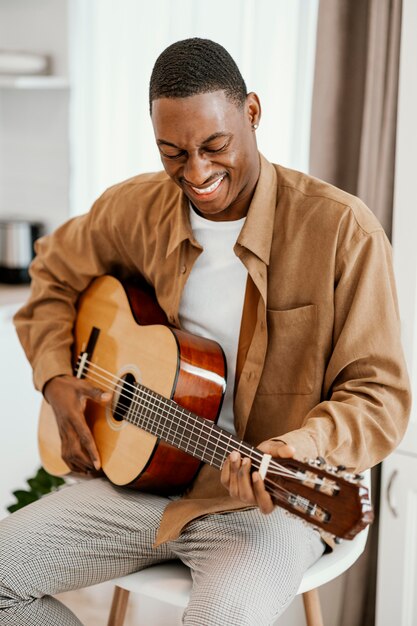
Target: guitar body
126	334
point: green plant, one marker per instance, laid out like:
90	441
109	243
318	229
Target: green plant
40	484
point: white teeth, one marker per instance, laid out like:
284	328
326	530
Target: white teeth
209	189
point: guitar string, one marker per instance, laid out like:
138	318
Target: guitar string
180	412
149	397
214	455
280	493
274	467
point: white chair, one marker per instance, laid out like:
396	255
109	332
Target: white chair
171	582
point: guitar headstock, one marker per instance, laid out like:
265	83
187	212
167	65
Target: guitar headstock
327	497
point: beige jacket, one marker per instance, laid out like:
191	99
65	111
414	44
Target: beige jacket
320	358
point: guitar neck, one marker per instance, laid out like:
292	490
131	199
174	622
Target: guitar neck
184	430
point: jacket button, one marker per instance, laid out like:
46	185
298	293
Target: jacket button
183	269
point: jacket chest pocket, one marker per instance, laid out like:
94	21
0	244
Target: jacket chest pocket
290	363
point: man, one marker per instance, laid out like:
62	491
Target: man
292	276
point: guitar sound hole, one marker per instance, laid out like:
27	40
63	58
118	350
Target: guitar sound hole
124	397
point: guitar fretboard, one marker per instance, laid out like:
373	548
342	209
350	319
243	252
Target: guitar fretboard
181	428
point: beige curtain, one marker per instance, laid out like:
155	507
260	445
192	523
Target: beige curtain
353	147
355	99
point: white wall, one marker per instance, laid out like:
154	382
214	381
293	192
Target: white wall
36	26
115	45
34	143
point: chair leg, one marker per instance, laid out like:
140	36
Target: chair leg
118	607
312	608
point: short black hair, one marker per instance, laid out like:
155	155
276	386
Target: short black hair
193	66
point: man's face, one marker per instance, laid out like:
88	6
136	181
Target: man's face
208	148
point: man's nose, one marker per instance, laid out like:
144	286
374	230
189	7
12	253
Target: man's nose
197	169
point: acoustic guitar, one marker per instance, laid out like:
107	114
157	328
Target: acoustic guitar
167	388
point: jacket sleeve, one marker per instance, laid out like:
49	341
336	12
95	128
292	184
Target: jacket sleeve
65	263
366	394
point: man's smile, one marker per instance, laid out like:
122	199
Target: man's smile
209	189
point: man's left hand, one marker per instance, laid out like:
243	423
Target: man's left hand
249	487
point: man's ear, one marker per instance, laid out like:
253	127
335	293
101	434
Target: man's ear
253	109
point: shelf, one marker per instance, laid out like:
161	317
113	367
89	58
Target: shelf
33	82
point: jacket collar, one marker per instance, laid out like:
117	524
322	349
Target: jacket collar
181	227
256	234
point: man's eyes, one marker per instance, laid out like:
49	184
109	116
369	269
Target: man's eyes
174	155
212	149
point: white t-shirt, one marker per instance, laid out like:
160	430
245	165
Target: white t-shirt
212	300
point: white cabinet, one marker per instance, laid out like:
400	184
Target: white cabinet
397	572
19	408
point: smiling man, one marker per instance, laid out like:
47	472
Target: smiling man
292	277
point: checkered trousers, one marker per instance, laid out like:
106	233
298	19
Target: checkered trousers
246	566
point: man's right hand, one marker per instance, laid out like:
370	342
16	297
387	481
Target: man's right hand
68	397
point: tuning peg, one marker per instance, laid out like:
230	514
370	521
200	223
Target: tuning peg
350	478
341	468
359	477
317	462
